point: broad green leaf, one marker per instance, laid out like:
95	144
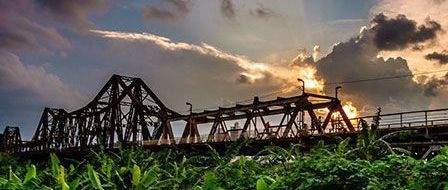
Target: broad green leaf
74	184
13	177
136	173
3	181
262	185
149	178
210	181
30	173
62	178
93	177
54	161
343	145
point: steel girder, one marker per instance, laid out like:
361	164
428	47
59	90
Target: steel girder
254	116
10	140
127	111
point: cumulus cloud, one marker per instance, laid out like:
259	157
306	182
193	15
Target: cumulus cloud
21	31
166	10
34	82
74	11
357	59
442	57
401	32
420	12
228	9
303	59
434	85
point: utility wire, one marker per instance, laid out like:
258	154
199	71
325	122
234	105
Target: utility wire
384	78
327	84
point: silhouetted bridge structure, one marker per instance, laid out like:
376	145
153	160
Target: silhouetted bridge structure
127	111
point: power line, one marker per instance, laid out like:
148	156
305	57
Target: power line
383	78
328	84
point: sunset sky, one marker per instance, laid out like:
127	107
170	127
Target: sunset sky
216	52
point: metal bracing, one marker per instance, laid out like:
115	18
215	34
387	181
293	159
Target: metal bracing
10	140
127	111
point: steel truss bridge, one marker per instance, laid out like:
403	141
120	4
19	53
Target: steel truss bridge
127	111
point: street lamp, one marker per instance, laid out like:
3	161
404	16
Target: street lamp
191	107
303	85
336	91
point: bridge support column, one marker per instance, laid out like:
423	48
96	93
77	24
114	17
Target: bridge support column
191	133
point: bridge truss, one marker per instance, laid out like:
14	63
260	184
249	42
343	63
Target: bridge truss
127	111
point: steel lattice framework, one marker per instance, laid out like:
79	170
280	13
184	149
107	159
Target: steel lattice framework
127	111
10	140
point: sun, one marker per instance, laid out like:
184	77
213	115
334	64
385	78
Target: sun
350	110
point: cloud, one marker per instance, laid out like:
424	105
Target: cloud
357	59
27	82
228	9
252	69
420	12
166	10
22	31
316	52
244	79
303	59
442	57
73	11
401	32
263	12
434	85
203	73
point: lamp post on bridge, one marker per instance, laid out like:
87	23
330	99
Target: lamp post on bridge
303	85
336	91
302	118
191	107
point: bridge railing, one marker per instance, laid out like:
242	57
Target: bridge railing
404	120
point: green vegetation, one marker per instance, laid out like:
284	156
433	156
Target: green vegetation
323	167
369	164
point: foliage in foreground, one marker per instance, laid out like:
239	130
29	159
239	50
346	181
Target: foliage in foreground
323	167
371	164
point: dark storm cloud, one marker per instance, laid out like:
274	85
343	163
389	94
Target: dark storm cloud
401	32
442	57
228	9
19	28
263	12
73	11
357	59
433	85
166	10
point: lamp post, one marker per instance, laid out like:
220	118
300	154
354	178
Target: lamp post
336	91
191	107
303	85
